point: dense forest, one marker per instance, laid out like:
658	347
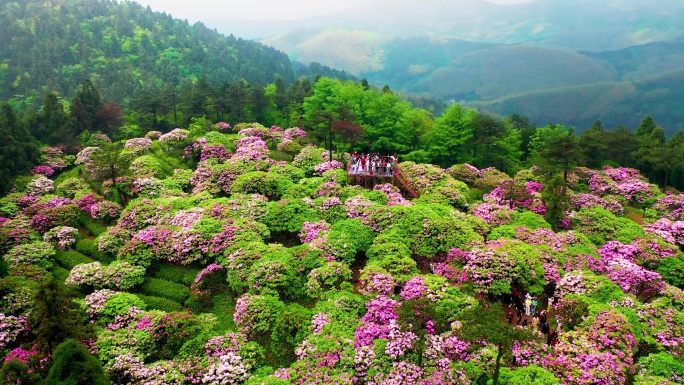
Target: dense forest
347	116
122	48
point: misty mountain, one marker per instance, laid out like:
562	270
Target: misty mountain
503	57
593	25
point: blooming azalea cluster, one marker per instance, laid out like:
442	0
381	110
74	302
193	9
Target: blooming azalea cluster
175	135
337	284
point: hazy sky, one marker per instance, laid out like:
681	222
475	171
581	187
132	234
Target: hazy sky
195	10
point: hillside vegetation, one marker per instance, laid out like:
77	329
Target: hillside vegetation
614	103
121	47
196	257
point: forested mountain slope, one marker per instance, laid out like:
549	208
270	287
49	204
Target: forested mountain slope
121	47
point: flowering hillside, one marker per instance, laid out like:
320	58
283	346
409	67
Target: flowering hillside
195	257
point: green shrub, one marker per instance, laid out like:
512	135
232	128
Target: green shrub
119	304
672	270
288	215
60	274
73	364
504	231
94	228
69	259
663	364
290	172
176	274
270	185
159	303
530	220
600	225
88	247
156	287
362	235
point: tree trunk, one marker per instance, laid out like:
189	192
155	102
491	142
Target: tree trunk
497	366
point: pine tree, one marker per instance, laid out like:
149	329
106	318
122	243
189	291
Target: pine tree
85	106
72	364
56	317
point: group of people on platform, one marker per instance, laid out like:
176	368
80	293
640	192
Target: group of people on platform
372	164
527	306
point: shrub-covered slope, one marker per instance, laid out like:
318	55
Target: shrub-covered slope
235	268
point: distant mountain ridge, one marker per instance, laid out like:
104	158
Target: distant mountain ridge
494	56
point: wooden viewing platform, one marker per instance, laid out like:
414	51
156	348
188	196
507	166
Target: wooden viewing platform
369	180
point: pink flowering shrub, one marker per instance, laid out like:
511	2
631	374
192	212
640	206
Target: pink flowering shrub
320	168
294	133
493	214
415	288
310	231
252	148
624	182
634	279
62	237
671	232
227	370
464	172
175	135
138	145
222	126
153	135
42	170
54	158
11	329
375	280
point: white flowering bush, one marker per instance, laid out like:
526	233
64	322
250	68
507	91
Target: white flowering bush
40	186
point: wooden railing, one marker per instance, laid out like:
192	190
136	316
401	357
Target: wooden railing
408	185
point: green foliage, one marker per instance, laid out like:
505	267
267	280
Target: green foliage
531	374
600	225
17	372
274	273
176	274
504	231
94	228
289	171
290	328
530	220
288	215
88	247
663	364
69	259
119	304
395	258
672	270
60	274
72	364
159	303
156	287
362	235
55	318
271	185
487	323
